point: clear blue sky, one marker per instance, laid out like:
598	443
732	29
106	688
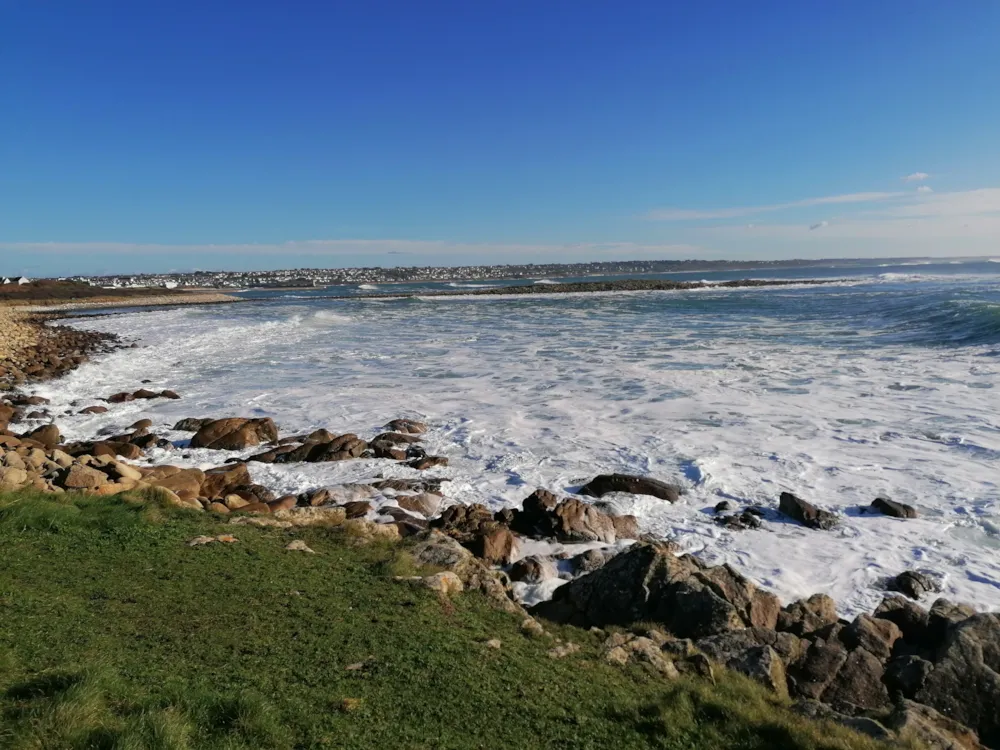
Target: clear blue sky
151	136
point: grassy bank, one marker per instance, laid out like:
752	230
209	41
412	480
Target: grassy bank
114	633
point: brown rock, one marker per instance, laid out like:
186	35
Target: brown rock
427	462
176	479
806	513
218	507
808	615
357	508
47	435
79	477
94	410
283	503
217	481
888	507
425	503
235	433
495	546
407	426
858	683
605	483
875	635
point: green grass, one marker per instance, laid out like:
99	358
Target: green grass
115	634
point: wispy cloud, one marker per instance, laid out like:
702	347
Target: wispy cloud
685	214
925	189
915	177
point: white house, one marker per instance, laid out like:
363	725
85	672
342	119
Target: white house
21	280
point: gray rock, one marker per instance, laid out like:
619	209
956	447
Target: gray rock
914	584
806	513
888	507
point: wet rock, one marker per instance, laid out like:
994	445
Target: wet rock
888	507
723	506
534	569
806	513
426	503
589	561
427	462
410	485
396	438
544	516
914	584
235	433
191	424
407	426
634	485
495	546
739	522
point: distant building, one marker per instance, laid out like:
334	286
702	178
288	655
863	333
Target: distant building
15	280
20	280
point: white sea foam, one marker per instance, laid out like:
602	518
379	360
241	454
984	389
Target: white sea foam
368	287
549	392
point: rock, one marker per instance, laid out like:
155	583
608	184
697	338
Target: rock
364	531
763	665
218	507
808	615
396	438
191	424
434	548
169	394
120	398
235	502
562	651
427	462
532	628
494	643
858	683
423	484
810	675
350	493
533	569
200	541
965	682
285	503
142	424
931	729
235	433
495	546
743	521
357	509
700	665
589	561
78	477
407	426
806	513
176	479
914	584
256	507
731	646
875	635
387	450
816	711
445	583
723	506
942	616
626	527
297	545
425	503
329	517
906	675
93	410
634	485
13	478
910	618
48	435
888	507
217	481
544	516
648	583
621	648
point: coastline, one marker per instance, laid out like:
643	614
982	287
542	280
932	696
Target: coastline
495	536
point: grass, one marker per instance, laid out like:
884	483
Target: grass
115	634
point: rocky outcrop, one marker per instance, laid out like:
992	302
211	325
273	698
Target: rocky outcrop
544	516
806	513
475	528
648	583
235	433
913	584
606	483
888	507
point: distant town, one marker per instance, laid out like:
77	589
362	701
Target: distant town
322	277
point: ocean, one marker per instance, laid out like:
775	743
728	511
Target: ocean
884	383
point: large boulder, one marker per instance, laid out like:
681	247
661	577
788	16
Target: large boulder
910	618
726	647
235	433
186	483
762	664
806	513
888	507
914	584
48	435
808	615
874	634
544	516
219	480
858	684
931	729
965	682
634	485
649	583
813	672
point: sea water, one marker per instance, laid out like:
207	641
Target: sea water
884	383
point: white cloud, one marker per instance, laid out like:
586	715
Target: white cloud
685	214
915	177
925	189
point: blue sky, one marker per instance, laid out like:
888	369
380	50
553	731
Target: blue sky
154	136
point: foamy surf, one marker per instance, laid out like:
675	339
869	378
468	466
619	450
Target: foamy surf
838	394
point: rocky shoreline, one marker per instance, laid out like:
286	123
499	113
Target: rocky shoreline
904	670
